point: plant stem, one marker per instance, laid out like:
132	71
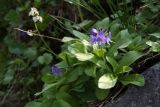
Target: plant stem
80	12
44	40
39	35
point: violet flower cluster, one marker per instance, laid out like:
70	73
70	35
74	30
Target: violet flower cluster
99	37
56	71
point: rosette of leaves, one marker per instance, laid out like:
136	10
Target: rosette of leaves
90	72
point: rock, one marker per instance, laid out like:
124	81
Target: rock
147	96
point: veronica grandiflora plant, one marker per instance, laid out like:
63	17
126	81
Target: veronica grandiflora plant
91	63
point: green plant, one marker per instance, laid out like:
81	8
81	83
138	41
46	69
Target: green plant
89	69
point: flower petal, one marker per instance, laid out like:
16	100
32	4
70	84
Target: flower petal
56	71
93	31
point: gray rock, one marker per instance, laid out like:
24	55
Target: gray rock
147	96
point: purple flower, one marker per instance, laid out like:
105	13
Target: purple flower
94	32
56	71
98	36
23	34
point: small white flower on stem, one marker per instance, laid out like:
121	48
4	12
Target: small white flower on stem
35	15
37	18
33	12
29	32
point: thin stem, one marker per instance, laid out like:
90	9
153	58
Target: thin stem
49	51
86	6
80	12
48	48
101	8
39	35
62	24
44	40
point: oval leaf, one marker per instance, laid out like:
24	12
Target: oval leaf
101	94
60	103
80	35
33	104
84	56
67	39
107	81
123	69
103	23
135	79
130	58
113	62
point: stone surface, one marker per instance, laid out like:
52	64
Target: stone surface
147	96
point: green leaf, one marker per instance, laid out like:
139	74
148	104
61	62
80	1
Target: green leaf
123	69
85	43
125	44
74	74
135	79
124	34
33	104
66	97
78	88
30	52
84	56
48	78
61	103
67	39
129	58
90	70
64	88
46	58
103	23
83	24
155	46
13	17
53	87
62	64
47	102
9	75
107	81
46	88
115	27
121	43
101	64
76	48
80	35
18	61
157	35
14	46
46	70
101	94
113	62
137	43
99	52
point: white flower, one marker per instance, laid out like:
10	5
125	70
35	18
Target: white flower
29	32
35	15
33	12
37	18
